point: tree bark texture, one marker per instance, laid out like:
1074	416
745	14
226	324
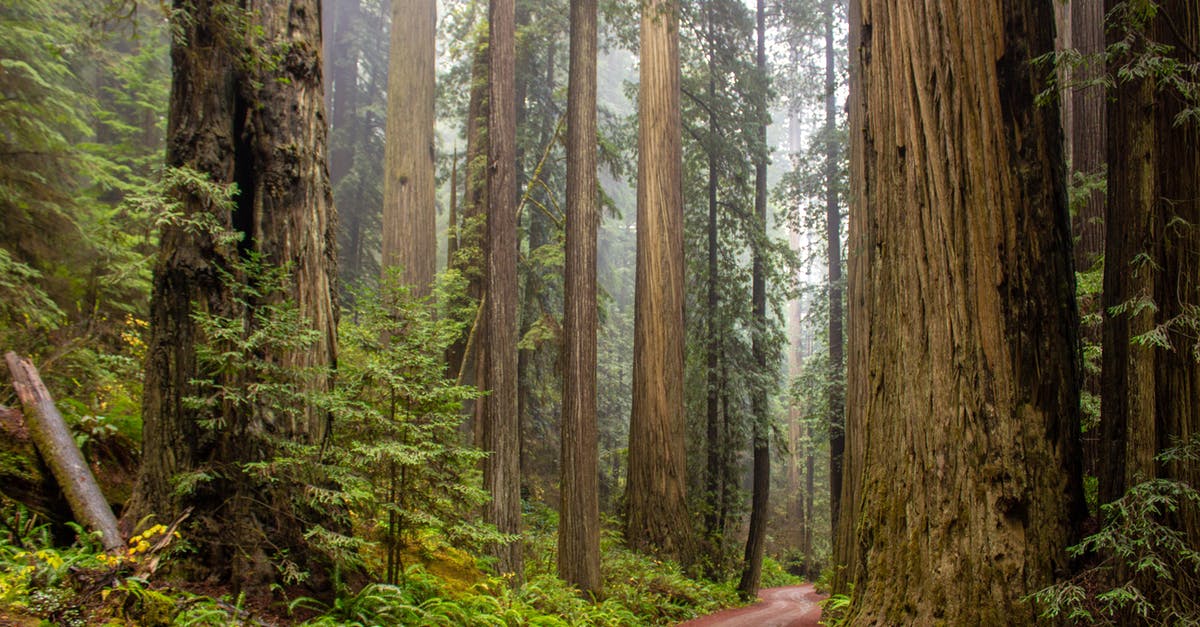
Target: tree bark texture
760	505
260	126
409	212
501	427
57	446
964	399
656	512
579	517
1152	270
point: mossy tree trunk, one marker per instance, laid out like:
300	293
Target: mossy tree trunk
246	109
964	377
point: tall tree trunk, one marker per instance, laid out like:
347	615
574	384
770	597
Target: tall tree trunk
409	213
1088	136
970	487
452	218
847	558
810	492
262	127
760	501
501	428
342	98
343	86
714	445
1151	272
833	259
656	499
579	519
472	225
1087	161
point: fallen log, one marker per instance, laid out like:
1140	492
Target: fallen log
54	441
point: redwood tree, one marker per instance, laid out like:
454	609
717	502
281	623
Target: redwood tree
259	125
409	213
579	515
1151	375
760	501
655	494
500	426
964	376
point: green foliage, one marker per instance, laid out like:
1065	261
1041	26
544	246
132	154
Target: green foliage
1147	566
774	575
247	395
399	420
1134	54
80	132
835	610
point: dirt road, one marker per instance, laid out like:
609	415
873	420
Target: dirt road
793	606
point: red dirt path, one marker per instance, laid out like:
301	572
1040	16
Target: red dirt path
793	606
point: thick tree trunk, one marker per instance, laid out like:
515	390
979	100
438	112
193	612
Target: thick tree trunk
57	446
760	501
501	428
1152	268
579	518
409	213
656	502
260	126
968	420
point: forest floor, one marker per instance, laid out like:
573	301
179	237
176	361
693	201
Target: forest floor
791	606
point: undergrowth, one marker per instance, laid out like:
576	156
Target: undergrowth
81	585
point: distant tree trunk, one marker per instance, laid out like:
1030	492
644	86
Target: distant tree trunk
1088	136
1087	159
343	86
501	428
452	219
1152	255
342	98
833	259
409	213
262	127
656	511
579	519
971	489
472	224
806	546
760	501
713	441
